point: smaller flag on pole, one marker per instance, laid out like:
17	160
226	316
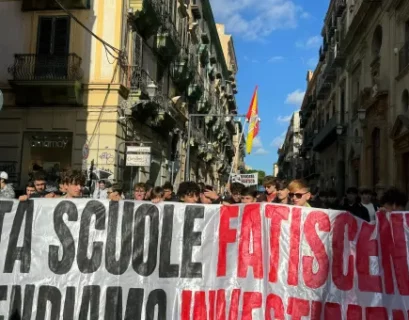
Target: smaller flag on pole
253	119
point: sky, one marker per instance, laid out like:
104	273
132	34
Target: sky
276	43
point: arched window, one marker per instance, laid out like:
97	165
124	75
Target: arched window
377	42
376	156
405	101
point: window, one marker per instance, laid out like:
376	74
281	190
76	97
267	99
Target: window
377	42
376	155
405	101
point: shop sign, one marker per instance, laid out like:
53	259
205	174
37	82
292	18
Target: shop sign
49	144
138	156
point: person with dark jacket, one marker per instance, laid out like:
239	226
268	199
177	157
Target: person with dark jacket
270	185
353	205
235	193
169	194
282	192
332	200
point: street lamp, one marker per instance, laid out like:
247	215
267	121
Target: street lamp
340	130
361	114
152	88
189	129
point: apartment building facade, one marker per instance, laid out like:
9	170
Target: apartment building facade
84	81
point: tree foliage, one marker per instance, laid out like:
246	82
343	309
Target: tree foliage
261	175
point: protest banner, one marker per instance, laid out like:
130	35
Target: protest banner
248	179
86	259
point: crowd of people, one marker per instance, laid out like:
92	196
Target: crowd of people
362	203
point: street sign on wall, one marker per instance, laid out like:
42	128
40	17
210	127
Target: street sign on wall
138	156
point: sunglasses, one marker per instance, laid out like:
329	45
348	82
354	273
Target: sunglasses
297	195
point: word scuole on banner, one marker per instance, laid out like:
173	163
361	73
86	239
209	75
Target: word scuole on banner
130	260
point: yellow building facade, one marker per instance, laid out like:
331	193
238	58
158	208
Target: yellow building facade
83	81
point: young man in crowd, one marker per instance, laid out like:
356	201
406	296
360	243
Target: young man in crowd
282	193
354	206
157	195
299	193
315	200
168	191
6	189
366	201
148	189
393	200
235	193
248	196
115	193
101	191
270	184
188	192
139	191
74	181
332	200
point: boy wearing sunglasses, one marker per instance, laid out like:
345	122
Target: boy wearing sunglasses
299	193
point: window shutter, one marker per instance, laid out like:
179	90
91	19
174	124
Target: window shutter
44	36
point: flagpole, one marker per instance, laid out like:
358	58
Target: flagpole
238	148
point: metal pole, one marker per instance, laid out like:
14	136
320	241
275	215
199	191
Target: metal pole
187	165
238	148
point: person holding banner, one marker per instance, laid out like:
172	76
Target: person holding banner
139	191
74	182
189	192
393	200
282	193
235	193
248	196
270	185
299	193
115	193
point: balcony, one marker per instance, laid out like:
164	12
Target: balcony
196	12
326	136
339	56
340	6
39	5
323	87
167	42
147	16
47	79
181	73
404	57
196	88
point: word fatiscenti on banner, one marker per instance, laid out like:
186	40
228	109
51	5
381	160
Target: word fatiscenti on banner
86	257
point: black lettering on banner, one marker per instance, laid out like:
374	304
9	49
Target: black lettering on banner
64	234
69	304
145	268
85	264
16	302
114	266
134	304
90	303
190	239
167	270
113	303
5	207
3	297
156	297
52	295
24	209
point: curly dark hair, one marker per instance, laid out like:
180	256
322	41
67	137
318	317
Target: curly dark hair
73	177
188	188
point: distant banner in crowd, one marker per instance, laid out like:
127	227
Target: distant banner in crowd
249	179
86	259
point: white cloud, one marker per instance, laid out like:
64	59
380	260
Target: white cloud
312	63
305	15
276	59
310	43
255	19
295	98
278	141
261	151
284	118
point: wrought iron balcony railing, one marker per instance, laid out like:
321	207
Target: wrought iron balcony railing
38	67
404	57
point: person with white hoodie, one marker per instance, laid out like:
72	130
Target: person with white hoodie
6	190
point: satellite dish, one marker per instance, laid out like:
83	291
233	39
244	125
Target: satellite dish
1	100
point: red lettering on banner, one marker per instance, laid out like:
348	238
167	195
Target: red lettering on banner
226	236
393	247
398	315
354	312
298	308
186	302
311	279
332	311
343	282
212	301
251	301
234	304
275	304
277	214
221	305
366	248
316	309
200	308
376	313
250	234
294	258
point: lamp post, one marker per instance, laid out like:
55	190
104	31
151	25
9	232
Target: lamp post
189	129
